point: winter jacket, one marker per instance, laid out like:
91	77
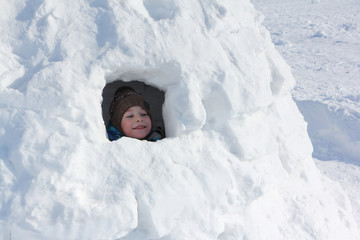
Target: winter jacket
114	134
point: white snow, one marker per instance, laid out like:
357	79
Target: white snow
320	42
237	161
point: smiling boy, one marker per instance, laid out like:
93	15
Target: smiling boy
130	116
136	123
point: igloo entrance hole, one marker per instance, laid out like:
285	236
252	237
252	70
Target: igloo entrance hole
152	95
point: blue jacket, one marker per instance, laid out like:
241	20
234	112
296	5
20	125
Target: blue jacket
114	134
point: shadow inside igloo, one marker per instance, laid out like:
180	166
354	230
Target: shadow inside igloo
154	96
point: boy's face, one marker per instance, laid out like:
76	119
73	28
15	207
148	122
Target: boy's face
136	123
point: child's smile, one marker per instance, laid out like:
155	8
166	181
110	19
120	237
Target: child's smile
136	123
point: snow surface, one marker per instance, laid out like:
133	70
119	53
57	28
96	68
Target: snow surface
321	43
319	39
236	163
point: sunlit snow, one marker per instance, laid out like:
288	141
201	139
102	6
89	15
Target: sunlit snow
237	160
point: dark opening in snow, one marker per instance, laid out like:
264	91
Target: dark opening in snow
152	95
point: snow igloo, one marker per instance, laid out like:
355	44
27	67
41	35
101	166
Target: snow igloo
236	162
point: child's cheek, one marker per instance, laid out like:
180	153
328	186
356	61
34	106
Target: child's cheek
125	124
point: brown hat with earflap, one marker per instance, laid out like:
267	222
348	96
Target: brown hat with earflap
124	98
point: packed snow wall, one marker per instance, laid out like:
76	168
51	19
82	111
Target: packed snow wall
236	163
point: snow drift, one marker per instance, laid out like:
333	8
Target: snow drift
236	163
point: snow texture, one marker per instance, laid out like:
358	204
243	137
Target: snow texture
321	44
236	163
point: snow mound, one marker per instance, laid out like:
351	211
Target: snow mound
237	160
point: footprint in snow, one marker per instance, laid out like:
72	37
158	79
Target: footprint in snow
160	9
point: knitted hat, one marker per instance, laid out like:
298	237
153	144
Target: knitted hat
124	98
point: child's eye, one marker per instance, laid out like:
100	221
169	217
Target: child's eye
144	114
129	116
